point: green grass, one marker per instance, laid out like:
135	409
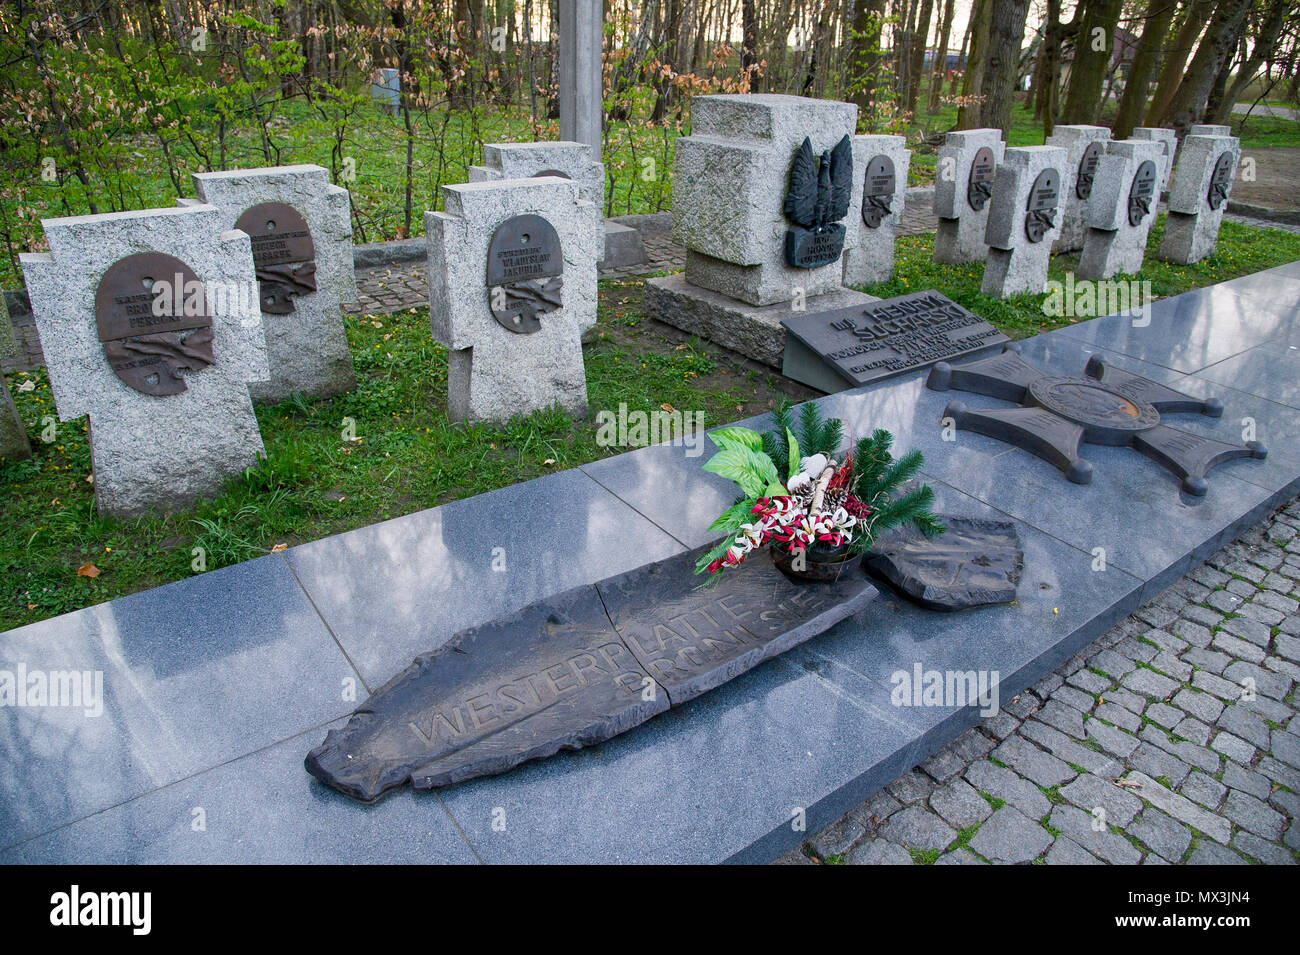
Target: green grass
313	482
1241	250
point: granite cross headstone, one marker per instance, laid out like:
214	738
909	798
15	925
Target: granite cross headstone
1169	140
1084	146
963	185
768	199
1024	220
1198	195
301	231
1122	209
882	163
731	179
512	287
116	337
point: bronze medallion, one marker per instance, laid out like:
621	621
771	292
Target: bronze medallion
524	272
1043	197
1141	197
283	254
878	191
983	169
152	315
1221	181
1088	170
551	172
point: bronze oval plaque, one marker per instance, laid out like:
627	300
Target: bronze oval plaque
1088	170
878	191
152	315
983	169
524	272
283	254
1221	181
551	172
1043	196
1141	197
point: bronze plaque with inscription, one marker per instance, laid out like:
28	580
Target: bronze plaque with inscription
574	670
878	191
865	344
1141	196
1220	181
152	315
1088	170
1040	215
525	273
983	170
283	254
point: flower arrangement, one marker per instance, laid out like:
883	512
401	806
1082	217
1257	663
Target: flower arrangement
798	498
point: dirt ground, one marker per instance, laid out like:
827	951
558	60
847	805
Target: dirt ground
1277	179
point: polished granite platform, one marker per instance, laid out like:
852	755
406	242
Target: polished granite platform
217	686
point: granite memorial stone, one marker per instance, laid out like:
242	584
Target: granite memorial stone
1169	140
564	159
1122	209
512	287
885	160
14	443
1198	195
184	435
1024	220
973	563
574	670
1084	146
963	186
1108	407
732	178
854	346
301	231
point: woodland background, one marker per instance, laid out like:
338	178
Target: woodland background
110	106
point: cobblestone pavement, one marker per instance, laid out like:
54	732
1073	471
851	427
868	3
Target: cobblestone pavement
1172	738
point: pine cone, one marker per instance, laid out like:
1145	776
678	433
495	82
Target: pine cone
834	499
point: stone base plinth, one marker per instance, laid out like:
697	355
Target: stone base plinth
752	330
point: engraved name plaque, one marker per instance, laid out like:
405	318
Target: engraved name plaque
983	169
152	316
283	254
524	273
1221	181
1088	170
1141	196
878	192
855	346
1041	210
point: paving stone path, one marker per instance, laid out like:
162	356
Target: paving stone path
1171	739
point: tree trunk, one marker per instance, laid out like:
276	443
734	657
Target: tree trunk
1187	105
916	58
749	39
1133	101
941	57
973	82
1194	18
1050	81
1002	61
1266	41
1093	48
864	54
